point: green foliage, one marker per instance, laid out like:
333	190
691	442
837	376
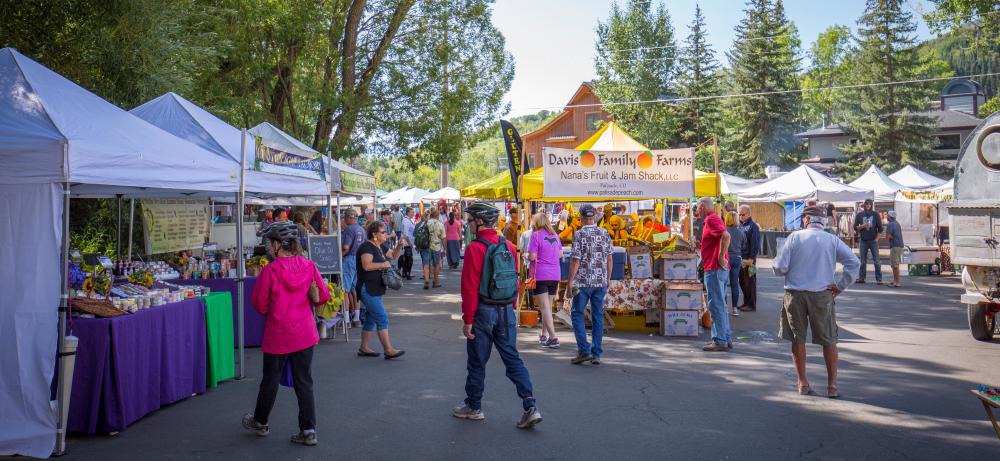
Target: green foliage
958	49
992	106
979	20
830	55
637	61
764	59
699	77
887	119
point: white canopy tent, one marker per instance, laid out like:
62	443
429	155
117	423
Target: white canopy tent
885	188
447	193
915	178
732	184
57	138
803	184
404	195
188	121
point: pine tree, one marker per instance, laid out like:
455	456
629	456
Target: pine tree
699	77
637	61
763	60
891	131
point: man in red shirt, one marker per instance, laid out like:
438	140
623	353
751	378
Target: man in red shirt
487	326
715	260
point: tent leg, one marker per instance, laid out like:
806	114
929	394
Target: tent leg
131	222
340	255
118	229
65	362
241	266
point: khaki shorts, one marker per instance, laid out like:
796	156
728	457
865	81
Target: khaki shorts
815	309
895	257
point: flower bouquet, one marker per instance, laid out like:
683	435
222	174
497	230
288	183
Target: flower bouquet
142	277
256	264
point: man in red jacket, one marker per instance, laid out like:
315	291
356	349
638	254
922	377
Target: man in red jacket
487	326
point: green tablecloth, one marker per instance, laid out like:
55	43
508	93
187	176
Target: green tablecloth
219	331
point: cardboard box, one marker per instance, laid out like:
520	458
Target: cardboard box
682	296
640	262
680	323
679	266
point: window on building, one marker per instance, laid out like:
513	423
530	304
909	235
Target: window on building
593	118
531	161
949	142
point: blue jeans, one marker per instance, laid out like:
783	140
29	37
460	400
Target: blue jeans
491	332
594	295
733	282
872	246
375	315
350	273
714	281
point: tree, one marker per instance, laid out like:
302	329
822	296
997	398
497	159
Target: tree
978	19
992	106
636	61
887	118
764	66
699	77
958	50
830	55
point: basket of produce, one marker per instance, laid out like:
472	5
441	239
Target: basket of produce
95	307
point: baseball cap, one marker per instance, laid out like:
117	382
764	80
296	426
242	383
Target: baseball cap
350	213
588	211
892	213
815	211
869	201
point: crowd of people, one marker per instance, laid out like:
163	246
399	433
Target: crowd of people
491	271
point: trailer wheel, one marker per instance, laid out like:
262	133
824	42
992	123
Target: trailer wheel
981	324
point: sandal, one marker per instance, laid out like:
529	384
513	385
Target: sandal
832	392
362	353
397	355
805	390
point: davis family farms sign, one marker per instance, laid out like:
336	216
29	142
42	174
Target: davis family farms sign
647	174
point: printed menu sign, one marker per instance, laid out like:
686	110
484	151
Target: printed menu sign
174	224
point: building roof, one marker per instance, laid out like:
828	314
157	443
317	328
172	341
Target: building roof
565	113
947	120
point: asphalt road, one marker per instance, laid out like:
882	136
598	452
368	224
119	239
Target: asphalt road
907	363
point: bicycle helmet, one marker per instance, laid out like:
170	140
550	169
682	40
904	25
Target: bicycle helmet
281	231
483	211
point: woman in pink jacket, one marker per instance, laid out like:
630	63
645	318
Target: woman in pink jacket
285	292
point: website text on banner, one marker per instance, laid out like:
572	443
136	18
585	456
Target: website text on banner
353	183
272	159
635	174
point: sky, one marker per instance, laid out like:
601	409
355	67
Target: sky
552	41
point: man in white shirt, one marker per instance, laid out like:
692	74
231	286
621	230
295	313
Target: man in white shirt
808	261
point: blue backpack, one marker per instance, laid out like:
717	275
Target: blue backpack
498	285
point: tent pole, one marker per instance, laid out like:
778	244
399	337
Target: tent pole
62	405
131	222
240	261
340	256
118	229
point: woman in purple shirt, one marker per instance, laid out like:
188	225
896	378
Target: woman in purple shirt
543	266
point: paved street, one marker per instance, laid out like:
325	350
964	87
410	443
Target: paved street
907	363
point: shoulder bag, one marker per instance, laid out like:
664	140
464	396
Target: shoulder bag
390	277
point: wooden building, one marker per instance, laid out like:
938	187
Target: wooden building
570	128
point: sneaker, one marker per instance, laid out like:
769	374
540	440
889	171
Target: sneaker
860	280
713	347
305	438
552	343
596	360
542	339
466	412
581	358
530	418
251	424
356	324
735	312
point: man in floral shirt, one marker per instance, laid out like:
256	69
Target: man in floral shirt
590	274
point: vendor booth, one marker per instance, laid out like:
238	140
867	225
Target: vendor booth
58	140
406	195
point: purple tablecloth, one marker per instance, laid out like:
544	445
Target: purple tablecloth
131	365
253	322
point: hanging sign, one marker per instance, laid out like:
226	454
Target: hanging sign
174	224
515	154
271	159
612	174
353	183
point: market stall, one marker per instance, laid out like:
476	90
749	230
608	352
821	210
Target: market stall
915	178
58	140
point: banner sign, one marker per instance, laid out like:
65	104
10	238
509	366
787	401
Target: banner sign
272	159
353	183
174	224
515	153
611	174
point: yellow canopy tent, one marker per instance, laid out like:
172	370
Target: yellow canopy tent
609	138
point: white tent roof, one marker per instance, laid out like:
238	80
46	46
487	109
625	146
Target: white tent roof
915	178
802	184
447	193
52	130
403	195
187	120
287	142
884	187
732	184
